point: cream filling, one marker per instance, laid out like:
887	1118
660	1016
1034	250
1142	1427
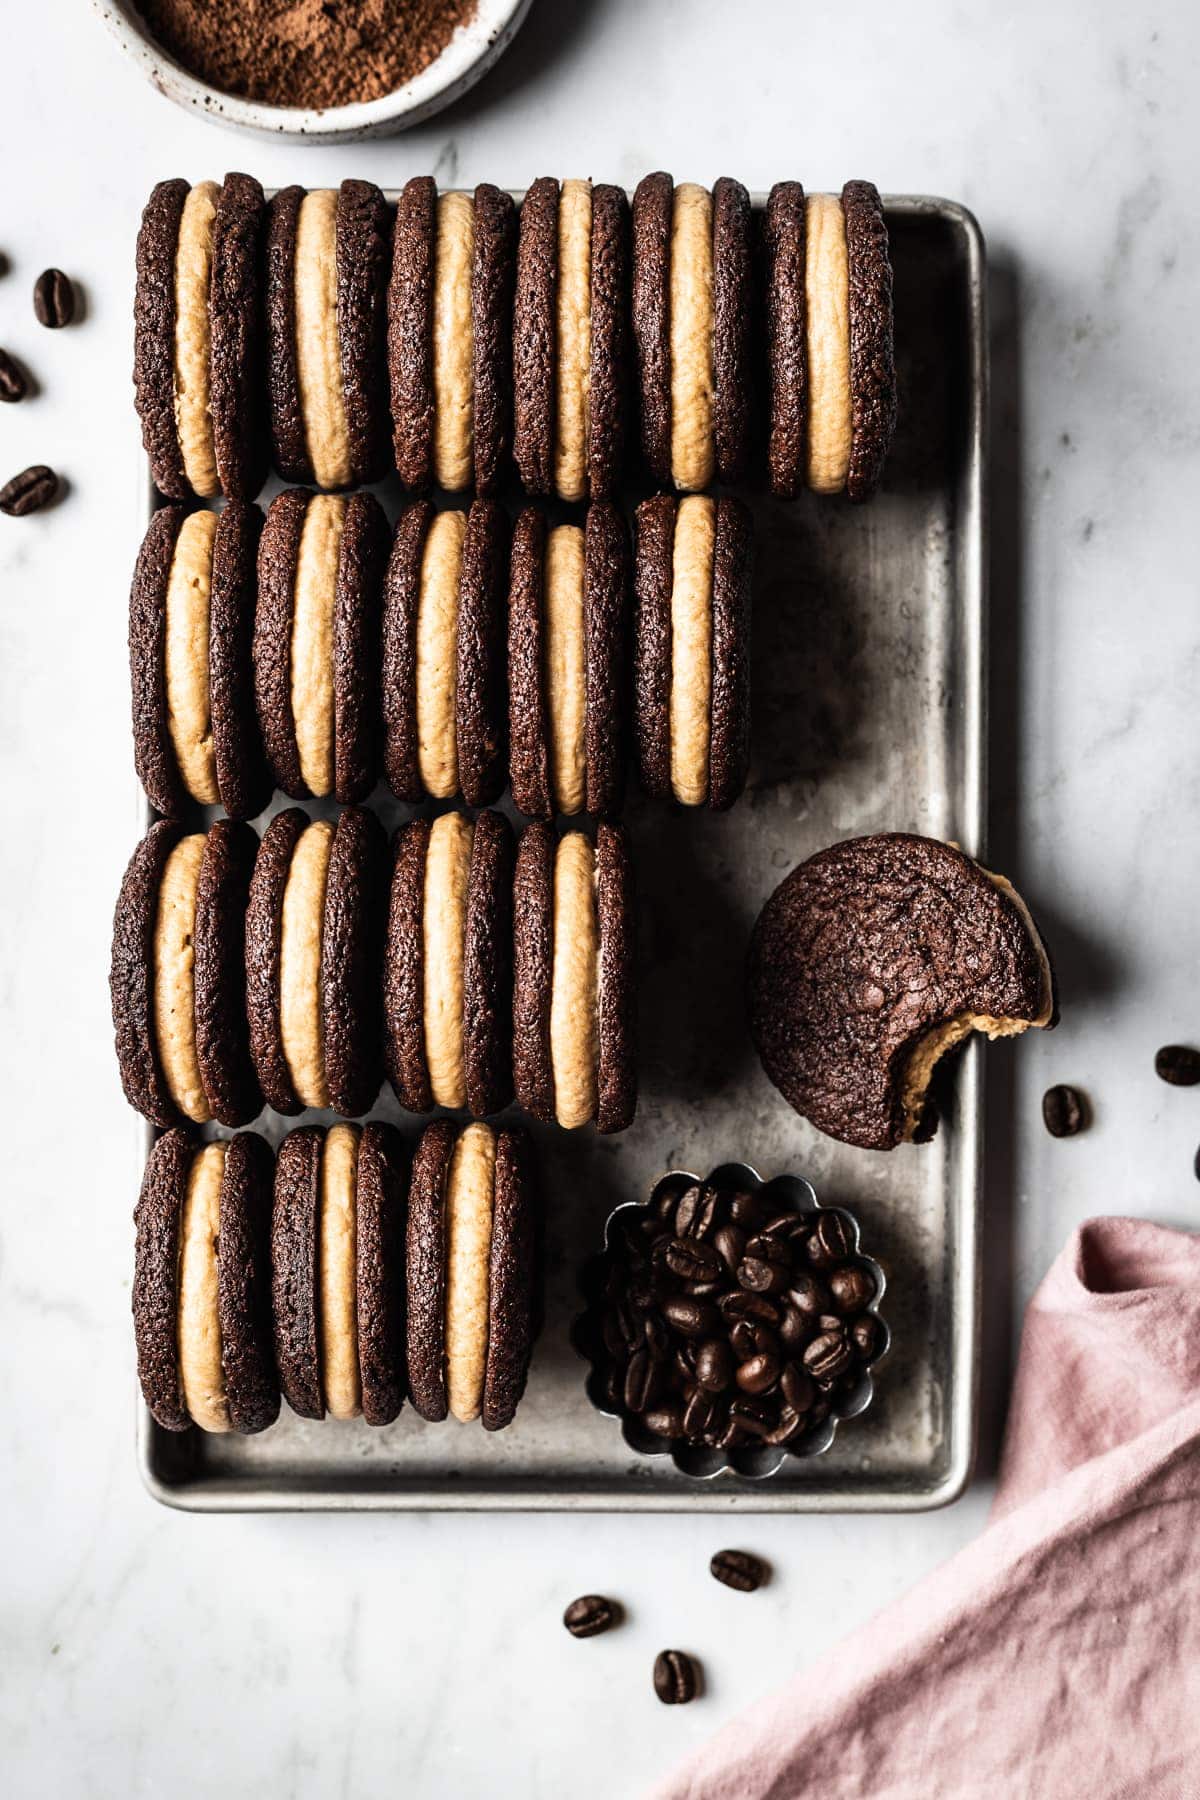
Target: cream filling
573	339
193	339
691	648
827	297
318	341
453	343
314	601
444	927
174	978
437	654
692	450
189	711
469	1199
337	1266
575	982
301	932
198	1317
564	669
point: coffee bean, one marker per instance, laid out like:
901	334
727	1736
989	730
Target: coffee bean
830	1240
790	1226
1179	1064
692	1317
809	1296
642	1379
714	1365
760	1276
664	1421
590	1615
797	1387
674	1677
692	1259
702	1413
29	491
794	1328
739	1569
851	1288
1063	1111
758	1374
865	1335
53	299
746	1210
753	1416
730	1244
830	1322
743	1305
827	1357
13	385
791	1425
700	1211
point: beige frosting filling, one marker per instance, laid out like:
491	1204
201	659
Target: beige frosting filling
198	1319
174	978
447	868
691	648
827	294
573	339
469	1195
453	343
318	341
564	668
301	931
575	984
189	713
437	654
314	599
692	452
193	338
337	1264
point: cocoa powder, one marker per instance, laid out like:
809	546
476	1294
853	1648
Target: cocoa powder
305	53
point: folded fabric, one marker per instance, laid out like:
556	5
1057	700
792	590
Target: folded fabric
1059	1654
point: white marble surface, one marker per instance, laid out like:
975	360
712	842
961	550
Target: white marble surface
146	1652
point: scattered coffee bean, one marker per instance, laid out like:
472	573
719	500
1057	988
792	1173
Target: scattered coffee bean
13	385
590	1615
739	1569
53	299
1178	1064
674	1677
29	491
1063	1111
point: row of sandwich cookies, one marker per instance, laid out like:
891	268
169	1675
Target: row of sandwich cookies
298	970
548	337
313	651
337	1275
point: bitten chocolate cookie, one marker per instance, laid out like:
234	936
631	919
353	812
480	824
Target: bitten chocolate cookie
471	1272
202	1285
337	1245
321	562
450	305
568	610
692	297
443	654
191	624
692	572
197	368
177	997
573	987
874	958
447	987
313	942
327	256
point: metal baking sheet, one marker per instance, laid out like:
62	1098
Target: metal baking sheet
868	701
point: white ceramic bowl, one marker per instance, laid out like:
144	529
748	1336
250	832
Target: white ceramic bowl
470	53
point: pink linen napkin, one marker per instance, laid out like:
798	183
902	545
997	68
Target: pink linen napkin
1058	1655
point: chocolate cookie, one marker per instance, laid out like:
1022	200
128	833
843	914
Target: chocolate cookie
533	969
381	1210
528	721
733	561
487	968
787	339
872	351
264	933
351	942
733	256
493	276
873	958
295	1296
243	778
606	649
425	1266
654	540
617	1059
404	971
608	383
398	672
651	316
222	1031
153	753
410	331
131	977
511	1279
534	326
479	692
156	1278
244	1293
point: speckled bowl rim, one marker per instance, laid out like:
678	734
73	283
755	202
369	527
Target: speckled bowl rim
749	1464
471	52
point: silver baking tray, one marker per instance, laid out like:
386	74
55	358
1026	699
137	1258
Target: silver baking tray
869	714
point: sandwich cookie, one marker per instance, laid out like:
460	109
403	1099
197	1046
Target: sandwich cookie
471	1257
337	1248
447	985
202	1285
874	958
316	642
692	571
443	654
573	989
692	296
570	349
568	608
450	305
327	259
197	358
313	939
178	997
831	362
191	627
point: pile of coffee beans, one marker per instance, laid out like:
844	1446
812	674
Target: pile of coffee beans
726	1323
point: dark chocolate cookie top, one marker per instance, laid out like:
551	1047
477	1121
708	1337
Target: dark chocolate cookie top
278	555
733	251
425	1262
244	1284
729	742
131	977
787	338
404	971
158	1217
511	1279
362	557
264	936
481	724
528	718
153	751
608	372
487	967
493	275
222	1032
235	324
243	780
653	202
410	331
653	582
872	352
380	1215
534	329
154	337
617	1071
606	656
295	1240
351	947
533	970
363	252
